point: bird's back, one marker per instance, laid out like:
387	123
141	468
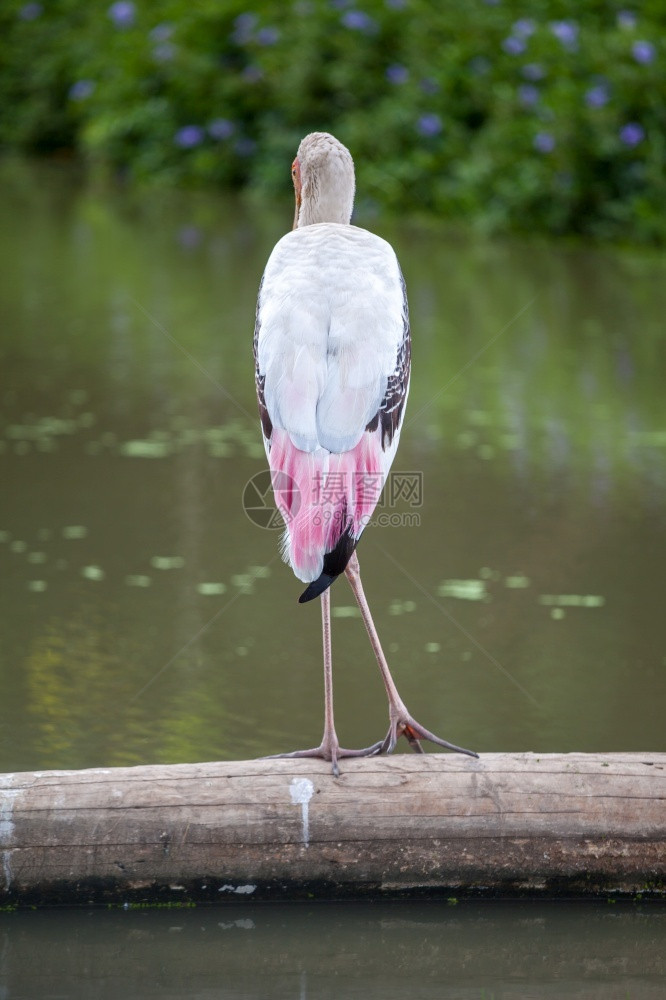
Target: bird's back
330	319
332	361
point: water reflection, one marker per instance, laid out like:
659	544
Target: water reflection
150	620
300	952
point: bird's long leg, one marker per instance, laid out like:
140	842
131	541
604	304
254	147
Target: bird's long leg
329	743
329	748
401	723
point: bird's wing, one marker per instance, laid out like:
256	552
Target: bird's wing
260	380
387	420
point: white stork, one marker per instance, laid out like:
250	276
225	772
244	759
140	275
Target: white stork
332	362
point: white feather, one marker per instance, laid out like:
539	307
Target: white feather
330	325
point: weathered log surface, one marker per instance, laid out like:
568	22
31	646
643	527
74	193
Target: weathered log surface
436	825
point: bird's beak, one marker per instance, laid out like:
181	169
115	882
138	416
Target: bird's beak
296	177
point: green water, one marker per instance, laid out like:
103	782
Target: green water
518	588
361	952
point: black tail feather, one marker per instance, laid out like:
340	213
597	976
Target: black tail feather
335	563
317	587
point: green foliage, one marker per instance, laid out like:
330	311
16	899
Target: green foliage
543	116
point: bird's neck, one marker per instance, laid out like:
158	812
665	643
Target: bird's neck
330	204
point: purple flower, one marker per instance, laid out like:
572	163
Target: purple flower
631	134
252	73
122	13
429	86
626	19
597	96
30	11
161	33
80	90
533	71
397	74
429	124
221	129
267	36
643	52
358	20
245	146
245	22
566	32
189	136
528	94
244	25
189	237
164	52
524	27
514	46
544	142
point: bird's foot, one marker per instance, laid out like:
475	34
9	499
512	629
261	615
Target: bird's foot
403	724
331	751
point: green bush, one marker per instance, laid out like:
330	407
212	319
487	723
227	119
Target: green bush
540	116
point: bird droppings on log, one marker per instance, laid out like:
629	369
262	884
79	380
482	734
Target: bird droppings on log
437	826
301	791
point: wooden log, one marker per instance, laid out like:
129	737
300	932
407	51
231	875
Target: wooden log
437	825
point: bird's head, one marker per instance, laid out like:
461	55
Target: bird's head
323	176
